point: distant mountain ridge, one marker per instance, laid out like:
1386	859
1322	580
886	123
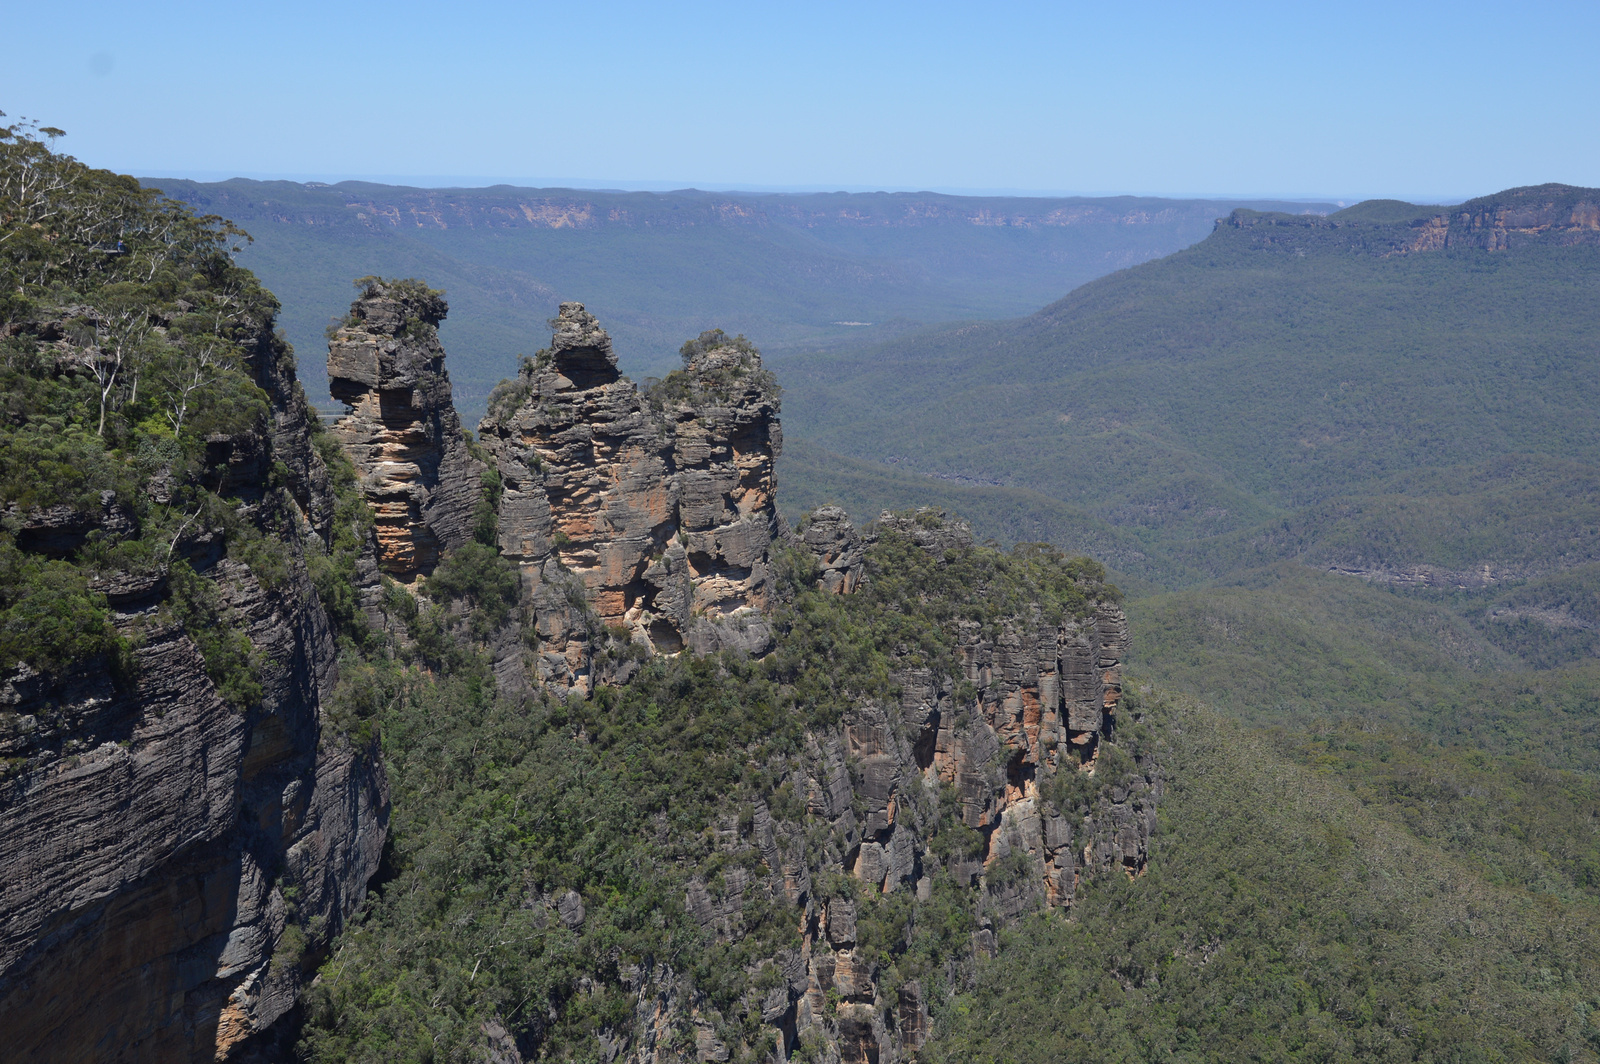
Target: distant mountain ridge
1551	213
509	206
1394	396
794	272
1280	360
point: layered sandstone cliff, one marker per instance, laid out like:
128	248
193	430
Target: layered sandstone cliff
1033	699
1556	214
402	431
1536	215
172	866
651	515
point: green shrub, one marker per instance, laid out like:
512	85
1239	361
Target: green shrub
507	397
230	657
742	373
489	585
49	618
333	568
486	514
50	461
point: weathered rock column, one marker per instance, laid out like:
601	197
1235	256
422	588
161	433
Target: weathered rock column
385	362
648	515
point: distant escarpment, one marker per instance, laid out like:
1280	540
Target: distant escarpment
1559	215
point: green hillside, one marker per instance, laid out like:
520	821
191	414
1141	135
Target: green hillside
795	271
1280	362
1360	897
1347	469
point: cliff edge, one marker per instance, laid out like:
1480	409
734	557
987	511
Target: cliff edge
176	854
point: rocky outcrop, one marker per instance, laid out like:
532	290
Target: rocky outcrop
1044	695
171	865
840	552
1559	214
648	516
402	431
1427	576
1032	700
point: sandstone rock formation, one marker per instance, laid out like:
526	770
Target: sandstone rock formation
385	362
1032	699
649	515
644	521
1559	214
171	866
828	534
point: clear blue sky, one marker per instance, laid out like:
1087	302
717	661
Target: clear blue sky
1349	100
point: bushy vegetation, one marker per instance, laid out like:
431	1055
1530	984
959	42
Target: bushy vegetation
229	655
131	347
333	570
507	397
1284	918
716	368
427	306
502	806
50	619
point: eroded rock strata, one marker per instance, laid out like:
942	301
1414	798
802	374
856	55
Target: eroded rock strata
1033	699
651	515
171	865
402	431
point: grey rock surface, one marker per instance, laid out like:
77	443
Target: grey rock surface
151	835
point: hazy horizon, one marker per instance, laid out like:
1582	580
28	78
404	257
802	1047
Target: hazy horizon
584	184
1167	99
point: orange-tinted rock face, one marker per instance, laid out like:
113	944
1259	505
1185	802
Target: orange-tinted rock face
402	431
1557	214
657	511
